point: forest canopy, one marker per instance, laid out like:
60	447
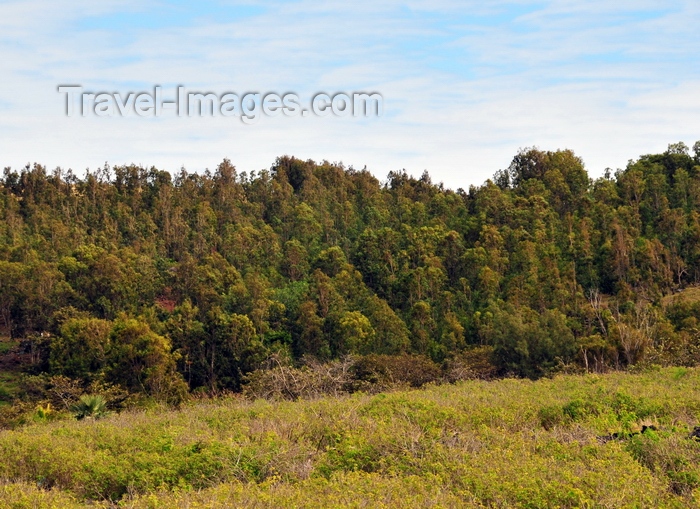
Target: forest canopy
159	283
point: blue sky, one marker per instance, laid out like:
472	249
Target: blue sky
466	84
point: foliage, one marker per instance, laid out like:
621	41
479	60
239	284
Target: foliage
386	371
81	349
313	379
146	279
614	440
90	407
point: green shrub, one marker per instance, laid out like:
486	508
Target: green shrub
472	444
578	410
669	455
551	416
90	407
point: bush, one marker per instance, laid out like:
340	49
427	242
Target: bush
90	407
478	444
470	364
63	392
672	456
371	373
314	379
528	343
385	371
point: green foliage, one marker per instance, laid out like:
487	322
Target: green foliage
528	343
474	444
44	413
574	411
90	407
355	333
142	360
146	279
669	456
82	348
5	346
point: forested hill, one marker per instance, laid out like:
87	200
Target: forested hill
144	279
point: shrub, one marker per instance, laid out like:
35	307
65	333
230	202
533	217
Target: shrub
473	363
90	407
672	456
385	371
63	392
371	373
472	445
314	379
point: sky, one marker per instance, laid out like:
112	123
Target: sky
466	84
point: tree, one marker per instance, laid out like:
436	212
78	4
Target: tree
320	259
11	278
142	361
232	349
82	348
392	337
296	260
311	339
527	343
356	333
189	337
331	261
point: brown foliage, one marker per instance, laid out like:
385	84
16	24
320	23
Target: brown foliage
387	371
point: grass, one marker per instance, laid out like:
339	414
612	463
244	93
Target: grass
508	443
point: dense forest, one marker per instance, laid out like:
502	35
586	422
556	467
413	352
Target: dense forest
160	283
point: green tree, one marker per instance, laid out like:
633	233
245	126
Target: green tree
528	343
356	333
142	361
82	348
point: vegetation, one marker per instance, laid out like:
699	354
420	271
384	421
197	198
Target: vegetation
159	284
313	300
90	407
614	440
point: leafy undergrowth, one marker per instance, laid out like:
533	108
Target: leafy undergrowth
9	372
571	441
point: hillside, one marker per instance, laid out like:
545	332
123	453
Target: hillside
154	285
616	440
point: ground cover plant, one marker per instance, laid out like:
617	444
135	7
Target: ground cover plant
613	440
